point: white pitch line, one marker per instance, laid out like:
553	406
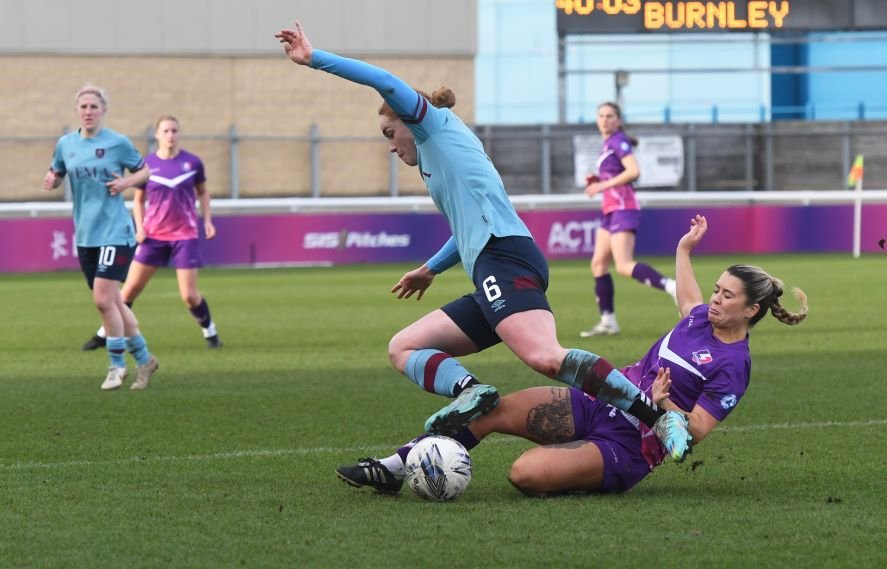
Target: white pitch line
260	453
790	426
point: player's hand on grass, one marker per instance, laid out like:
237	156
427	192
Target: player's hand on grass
698	227
414	281
296	44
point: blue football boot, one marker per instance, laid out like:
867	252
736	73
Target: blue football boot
673	431
473	402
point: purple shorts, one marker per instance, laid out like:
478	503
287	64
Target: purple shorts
622	220
185	254
617	438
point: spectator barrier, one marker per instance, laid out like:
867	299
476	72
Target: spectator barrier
38	236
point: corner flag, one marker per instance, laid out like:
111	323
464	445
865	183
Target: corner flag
855	175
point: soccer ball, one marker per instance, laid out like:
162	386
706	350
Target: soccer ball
438	469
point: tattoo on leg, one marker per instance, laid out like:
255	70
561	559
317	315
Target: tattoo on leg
552	422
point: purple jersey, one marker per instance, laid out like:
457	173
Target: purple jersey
704	372
171	190
609	165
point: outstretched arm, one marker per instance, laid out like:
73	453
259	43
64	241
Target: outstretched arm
688	292
404	100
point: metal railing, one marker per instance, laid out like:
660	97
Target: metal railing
538	159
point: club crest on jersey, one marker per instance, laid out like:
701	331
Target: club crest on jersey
99	152
186	166
702	357
728	401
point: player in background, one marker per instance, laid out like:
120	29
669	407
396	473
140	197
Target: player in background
168	228
701	367
497	252
614	240
94	159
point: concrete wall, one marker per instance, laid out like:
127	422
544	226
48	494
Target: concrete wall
215	64
236	27
263	96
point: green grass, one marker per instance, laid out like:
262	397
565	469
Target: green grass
227	460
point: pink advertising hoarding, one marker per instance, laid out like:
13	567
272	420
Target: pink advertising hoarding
46	244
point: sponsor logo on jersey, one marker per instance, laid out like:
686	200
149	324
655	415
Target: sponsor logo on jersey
702	357
728	401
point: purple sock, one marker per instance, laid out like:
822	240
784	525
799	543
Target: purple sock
465	436
201	314
405	449
645	274
603	289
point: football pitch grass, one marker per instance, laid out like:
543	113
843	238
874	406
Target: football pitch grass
228	459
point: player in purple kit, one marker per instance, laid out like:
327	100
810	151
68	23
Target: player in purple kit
701	367
614	240
168	228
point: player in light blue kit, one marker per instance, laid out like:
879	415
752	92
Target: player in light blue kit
702	367
496	250
94	159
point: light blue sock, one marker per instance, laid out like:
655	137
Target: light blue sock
138	348
116	347
597	377
437	372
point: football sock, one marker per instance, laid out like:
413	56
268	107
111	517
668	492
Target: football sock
437	372
210	330
645	274
395	463
116	347
605	293
201	314
138	348
597	377
464	384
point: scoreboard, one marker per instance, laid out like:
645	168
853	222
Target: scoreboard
644	16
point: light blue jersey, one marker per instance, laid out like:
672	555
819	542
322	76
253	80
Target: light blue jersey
89	163
461	179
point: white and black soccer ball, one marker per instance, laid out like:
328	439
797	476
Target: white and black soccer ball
438	469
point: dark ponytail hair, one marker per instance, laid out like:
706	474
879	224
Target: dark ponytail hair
765	290
618	111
